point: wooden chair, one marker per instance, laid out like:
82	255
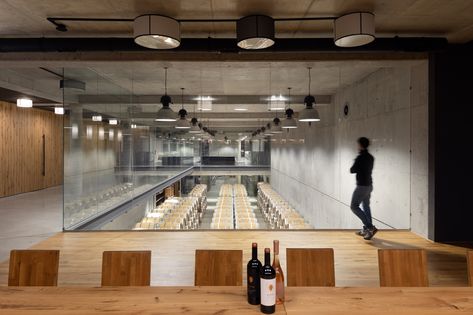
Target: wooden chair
33	268
469	261
218	267
403	268
126	268
310	267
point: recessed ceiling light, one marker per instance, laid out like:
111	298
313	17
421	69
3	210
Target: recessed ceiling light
113	121
24	102
240	109
96	118
59	110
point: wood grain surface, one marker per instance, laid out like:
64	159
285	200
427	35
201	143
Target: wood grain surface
310	267
403	268
126	268
218	267
470	267
232	300
173	254
21	149
33	268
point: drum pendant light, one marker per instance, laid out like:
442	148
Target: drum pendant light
289	122
156	31
354	29
182	123
255	32
309	113
166	113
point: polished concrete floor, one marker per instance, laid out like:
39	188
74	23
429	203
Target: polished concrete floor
29	218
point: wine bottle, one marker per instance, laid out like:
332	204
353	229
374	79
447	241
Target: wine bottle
268	285
279	274
253	277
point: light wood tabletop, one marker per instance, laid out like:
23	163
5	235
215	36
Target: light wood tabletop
232	300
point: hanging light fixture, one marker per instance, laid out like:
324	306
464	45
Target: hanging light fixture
182	123
166	113
24	102
309	113
289	122
255	32
156	31
276	128
268	132
194	126
354	29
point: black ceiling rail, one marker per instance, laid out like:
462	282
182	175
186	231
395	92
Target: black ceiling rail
218	45
62	27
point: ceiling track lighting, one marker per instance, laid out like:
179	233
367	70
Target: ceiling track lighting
182	122
289	122
156	31
166	114
253	32
309	113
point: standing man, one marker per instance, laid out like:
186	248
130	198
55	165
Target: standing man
363	168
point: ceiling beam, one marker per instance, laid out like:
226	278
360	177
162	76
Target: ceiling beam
218	99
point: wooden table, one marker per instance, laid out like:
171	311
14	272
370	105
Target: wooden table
232	300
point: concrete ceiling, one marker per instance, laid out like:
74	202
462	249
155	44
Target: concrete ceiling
451	19
133	90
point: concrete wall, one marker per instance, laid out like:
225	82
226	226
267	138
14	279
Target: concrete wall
310	165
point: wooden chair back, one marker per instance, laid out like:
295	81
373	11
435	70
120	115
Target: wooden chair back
33	268
403	268
218	267
469	261
310	267
126	268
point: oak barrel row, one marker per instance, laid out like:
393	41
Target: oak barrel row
305	267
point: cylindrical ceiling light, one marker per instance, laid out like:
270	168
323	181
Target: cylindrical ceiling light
166	114
156	31
255	32
354	29
24	102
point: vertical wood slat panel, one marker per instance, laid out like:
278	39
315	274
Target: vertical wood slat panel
21	131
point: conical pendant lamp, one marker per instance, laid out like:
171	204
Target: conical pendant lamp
289	122
182	122
166	114
309	113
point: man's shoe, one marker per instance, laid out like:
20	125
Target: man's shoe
361	232
370	233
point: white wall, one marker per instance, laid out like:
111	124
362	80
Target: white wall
310	165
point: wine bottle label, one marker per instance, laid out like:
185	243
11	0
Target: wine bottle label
268	292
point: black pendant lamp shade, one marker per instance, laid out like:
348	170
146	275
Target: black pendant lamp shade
195	126
309	113
255	32
166	113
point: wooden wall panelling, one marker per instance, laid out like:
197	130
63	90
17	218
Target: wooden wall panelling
21	148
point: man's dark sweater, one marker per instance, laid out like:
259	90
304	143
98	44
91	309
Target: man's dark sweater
363	167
